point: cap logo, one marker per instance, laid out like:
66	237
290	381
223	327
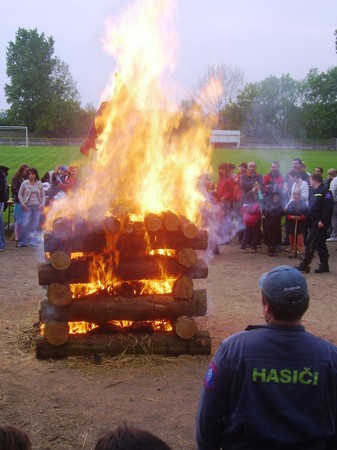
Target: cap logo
291	288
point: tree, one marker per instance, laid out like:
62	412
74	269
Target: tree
269	110
320	104
42	94
217	88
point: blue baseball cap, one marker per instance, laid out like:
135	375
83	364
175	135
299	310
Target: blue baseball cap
279	283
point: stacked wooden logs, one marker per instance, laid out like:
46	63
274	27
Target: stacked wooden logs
71	247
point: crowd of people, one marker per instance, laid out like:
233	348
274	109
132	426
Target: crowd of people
255	207
30	196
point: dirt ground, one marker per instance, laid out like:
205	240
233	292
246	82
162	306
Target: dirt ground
66	404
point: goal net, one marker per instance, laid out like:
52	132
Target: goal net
14	136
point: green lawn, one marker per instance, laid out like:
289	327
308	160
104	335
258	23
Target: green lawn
45	158
42	158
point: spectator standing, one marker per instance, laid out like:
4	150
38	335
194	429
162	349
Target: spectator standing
252	221
19	176
237	195
297	184
32	198
54	182
272	213
272	386
319	170
225	187
4	196
332	173
297	164
273	180
304	168
225	191
297	213
237	200
320	213
251	180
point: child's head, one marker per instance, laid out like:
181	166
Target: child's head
296	196
276	197
251	197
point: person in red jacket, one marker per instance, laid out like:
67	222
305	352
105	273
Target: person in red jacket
252	222
225	195
273	180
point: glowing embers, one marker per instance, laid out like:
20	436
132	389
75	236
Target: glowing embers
130	289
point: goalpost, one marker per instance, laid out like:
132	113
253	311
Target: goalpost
16	136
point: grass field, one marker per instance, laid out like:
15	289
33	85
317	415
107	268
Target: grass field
46	158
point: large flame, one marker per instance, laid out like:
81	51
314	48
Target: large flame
142	162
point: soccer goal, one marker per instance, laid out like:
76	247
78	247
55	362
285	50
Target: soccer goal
14	136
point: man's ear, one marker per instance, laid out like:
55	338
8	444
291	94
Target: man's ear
265	305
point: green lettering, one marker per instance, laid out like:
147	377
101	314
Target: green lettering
315	383
272	376
295	373
285	376
261	375
305	377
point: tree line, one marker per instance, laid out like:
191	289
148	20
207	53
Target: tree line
43	96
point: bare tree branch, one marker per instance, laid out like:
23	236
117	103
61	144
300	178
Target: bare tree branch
217	88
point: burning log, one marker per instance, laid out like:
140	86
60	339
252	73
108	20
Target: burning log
187	257
176	240
92	241
166	343
183	288
63	228
56	333
185	327
59	294
189	229
135	227
132	241
152	222
60	260
101	308
112	225
171	221
146	267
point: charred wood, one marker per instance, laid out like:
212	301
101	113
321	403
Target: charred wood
101	308
146	267
133	241
165	343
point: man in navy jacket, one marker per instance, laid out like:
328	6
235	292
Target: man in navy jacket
272	386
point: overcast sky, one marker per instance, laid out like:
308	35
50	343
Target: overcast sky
261	37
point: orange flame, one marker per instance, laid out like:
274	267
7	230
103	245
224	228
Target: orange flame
142	161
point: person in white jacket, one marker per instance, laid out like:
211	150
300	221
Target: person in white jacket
297	184
32	198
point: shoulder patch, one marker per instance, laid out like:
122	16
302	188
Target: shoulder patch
328	195
210	377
